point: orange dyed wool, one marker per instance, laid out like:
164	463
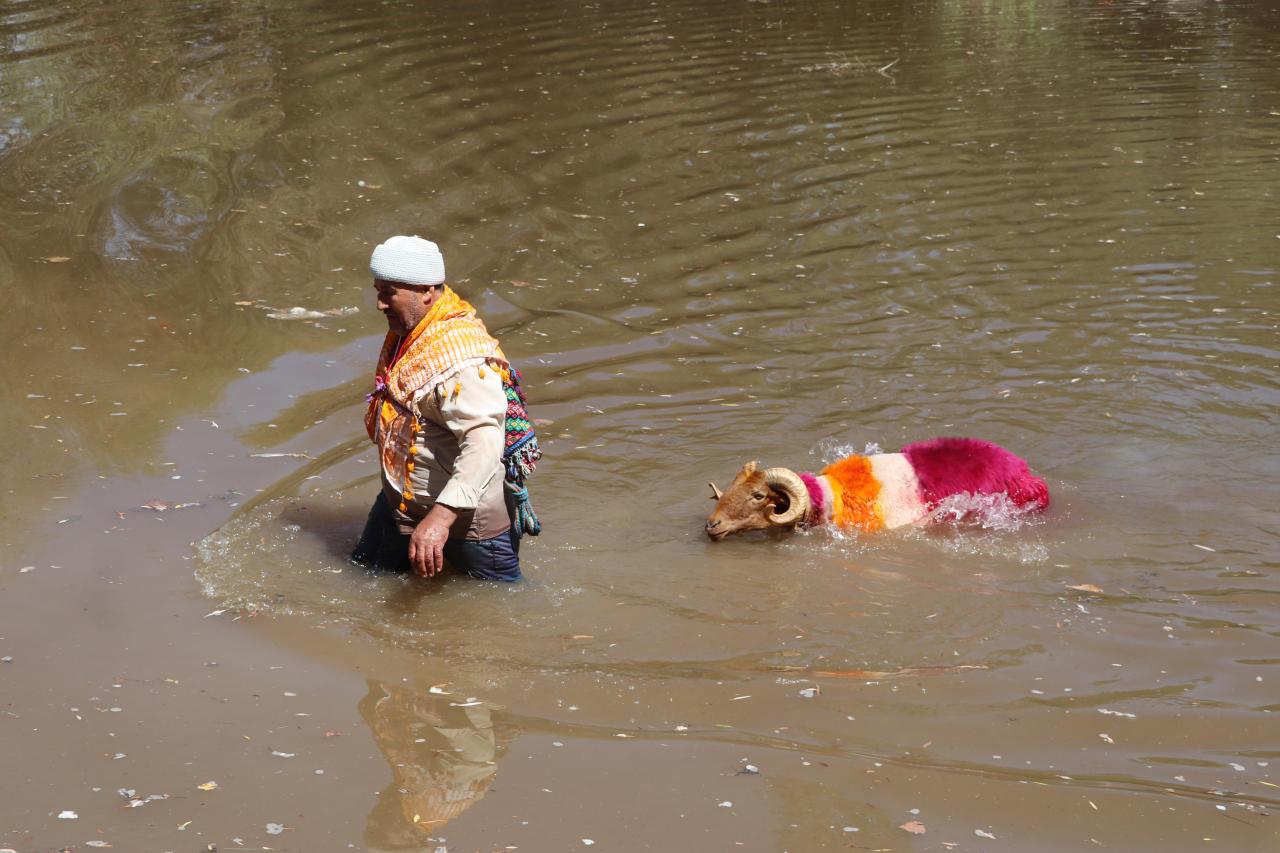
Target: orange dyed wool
856	494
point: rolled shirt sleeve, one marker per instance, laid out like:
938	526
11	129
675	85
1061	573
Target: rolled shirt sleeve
476	415
457	457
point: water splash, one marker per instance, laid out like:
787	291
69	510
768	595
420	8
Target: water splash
996	512
830	450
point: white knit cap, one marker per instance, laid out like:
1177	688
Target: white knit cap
408	260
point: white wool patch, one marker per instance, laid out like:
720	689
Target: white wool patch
900	500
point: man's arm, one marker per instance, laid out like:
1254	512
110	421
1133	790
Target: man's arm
475	415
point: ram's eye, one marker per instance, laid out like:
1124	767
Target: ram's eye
757	496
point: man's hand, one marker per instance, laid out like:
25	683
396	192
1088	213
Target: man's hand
426	545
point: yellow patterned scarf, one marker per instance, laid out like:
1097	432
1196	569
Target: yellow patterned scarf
448	339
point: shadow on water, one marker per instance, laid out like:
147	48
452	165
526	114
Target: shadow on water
328	532
334	527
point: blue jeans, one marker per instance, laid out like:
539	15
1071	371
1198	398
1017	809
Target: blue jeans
383	546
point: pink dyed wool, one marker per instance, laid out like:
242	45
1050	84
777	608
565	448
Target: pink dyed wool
949	466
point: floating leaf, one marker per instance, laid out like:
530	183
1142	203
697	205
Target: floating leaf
208	786
1085	587
914	827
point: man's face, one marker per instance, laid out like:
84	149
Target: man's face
403	304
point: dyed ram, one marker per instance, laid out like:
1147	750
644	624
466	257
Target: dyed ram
876	492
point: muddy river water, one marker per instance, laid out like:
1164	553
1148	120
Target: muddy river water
708	232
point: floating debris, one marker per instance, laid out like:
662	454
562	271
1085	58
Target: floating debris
67	814
164	506
914	827
134	801
275	828
299	313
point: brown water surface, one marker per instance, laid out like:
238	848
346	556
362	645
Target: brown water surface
707	232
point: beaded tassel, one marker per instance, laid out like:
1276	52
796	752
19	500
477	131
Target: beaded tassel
407	492
526	520
520	455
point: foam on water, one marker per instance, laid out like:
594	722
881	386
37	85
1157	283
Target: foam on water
988	512
830	450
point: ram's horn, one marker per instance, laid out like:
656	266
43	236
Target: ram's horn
788	482
719	494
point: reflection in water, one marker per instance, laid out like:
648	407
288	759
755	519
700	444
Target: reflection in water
443	750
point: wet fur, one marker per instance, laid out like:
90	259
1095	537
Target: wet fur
950	466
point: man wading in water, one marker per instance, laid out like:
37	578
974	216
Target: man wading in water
448	419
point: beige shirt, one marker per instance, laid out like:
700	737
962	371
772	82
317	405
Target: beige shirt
458	457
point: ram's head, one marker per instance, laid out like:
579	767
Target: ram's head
758	499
